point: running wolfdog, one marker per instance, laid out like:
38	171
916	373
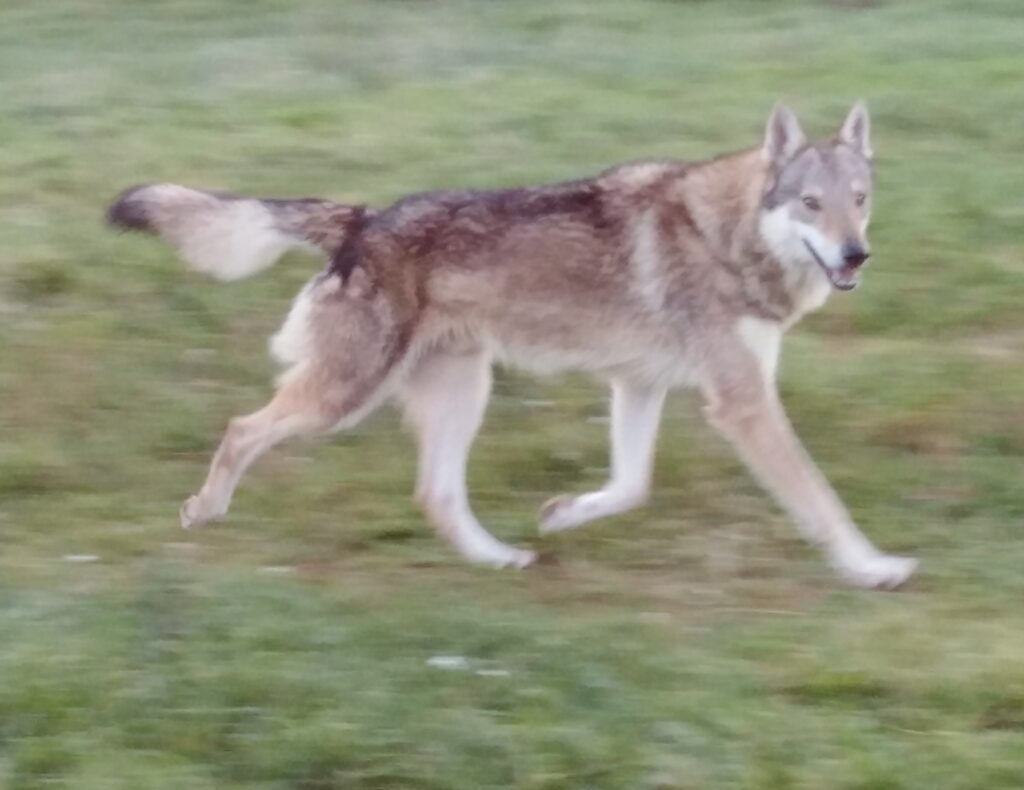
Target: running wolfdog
650	276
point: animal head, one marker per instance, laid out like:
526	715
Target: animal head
817	199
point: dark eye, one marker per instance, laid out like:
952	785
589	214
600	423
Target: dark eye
811	202
859	198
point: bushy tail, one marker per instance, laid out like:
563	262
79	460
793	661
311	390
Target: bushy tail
230	237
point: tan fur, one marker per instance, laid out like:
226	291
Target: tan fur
649	276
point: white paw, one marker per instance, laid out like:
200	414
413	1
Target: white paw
515	558
492	553
568	512
880	572
193	514
505	557
559	513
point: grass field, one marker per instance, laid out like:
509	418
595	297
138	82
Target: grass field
322	637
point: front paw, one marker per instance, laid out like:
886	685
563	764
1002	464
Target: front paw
557	514
880	572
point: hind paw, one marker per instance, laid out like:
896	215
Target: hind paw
194	514
483	549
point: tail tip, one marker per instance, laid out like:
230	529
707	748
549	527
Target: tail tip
129	210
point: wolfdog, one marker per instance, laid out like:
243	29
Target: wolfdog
650	275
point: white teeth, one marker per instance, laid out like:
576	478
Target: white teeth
835	276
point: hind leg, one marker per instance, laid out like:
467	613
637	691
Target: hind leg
636	411
445	400
353	353
292	411
304	405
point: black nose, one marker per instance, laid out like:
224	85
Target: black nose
854	255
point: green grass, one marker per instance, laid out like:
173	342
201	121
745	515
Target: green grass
694	644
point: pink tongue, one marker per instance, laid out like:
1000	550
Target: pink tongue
847	274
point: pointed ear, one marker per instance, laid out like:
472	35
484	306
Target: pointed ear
856	130
783	136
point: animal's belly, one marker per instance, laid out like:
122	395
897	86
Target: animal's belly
557	328
606	354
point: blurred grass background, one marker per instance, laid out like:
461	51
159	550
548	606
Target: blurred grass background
694	644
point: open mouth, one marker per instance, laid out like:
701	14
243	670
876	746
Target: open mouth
844	278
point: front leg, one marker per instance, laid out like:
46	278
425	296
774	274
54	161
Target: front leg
744	406
636	412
